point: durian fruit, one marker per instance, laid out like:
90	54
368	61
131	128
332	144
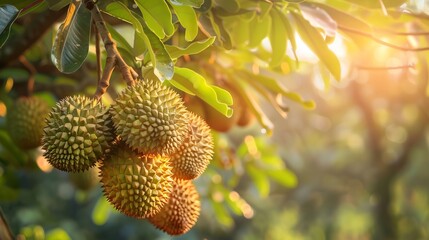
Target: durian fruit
181	212
137	185
195	105
77	134
26	120
196	151
150	117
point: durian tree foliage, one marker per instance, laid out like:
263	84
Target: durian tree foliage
223	57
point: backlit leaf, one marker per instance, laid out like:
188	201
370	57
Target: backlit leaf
195	84
278	38
317	44
71	43
157	16
191	3
188	19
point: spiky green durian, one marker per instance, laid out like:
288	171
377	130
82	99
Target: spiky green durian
196	151
150	117
182	210
137	185
26	120
77	134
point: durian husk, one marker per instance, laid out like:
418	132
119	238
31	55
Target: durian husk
77	134
181	212
196	151
150	117
26	120
135	184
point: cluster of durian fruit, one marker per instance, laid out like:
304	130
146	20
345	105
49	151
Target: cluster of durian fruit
148	147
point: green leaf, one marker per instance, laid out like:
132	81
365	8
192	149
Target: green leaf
188	19
18	4
194	48
8	14
120	40
376	4
191	3
218	29
161	61
9	146
283	176
57	234
261	26
56	5
221	214
276	87
278	39
317	44
260	180
229	5
101	212
71	43
195	84
157	16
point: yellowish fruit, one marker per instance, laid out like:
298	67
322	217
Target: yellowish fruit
196	151
137	185
77	134
150	117
181	212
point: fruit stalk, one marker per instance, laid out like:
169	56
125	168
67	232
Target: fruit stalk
114	58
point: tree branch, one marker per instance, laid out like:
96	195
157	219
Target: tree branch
114	58
371	36
5	232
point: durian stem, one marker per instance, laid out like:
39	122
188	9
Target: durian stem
32	72
114	58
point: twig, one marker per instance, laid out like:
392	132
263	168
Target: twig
31	70
97	53
24	9
383	7
114	58
5	232
369	35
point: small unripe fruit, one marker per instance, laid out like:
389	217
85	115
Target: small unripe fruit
26	120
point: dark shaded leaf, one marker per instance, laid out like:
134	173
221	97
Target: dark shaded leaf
71	43
56	5
8	14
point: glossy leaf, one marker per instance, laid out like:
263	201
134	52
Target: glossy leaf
194	48
188	19
8	14
191	3
317	44
157	16
161	60
278	39
71	43
195	84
